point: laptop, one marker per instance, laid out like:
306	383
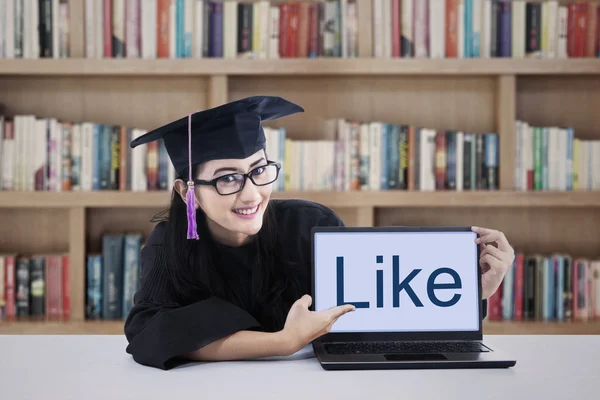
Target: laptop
417	292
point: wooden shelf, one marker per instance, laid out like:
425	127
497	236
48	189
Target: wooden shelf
116	328
295	67
100	199
62	328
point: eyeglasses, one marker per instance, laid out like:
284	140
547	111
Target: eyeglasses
233	183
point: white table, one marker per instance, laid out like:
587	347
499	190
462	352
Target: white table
97	367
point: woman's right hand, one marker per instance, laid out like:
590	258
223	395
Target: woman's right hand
302	325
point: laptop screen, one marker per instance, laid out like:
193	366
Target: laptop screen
398	281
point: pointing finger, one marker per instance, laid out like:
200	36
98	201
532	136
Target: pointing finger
338	311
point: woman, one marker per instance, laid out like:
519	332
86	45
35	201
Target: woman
239	289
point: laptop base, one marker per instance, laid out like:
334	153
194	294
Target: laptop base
492	359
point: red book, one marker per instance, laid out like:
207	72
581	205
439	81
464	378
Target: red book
284	9
581	23
292	31
54	283
152	165
396	28
107	29
440	161
451	28
495	305
303	21
162	27
9	286
66	287
598	31
313	33
571	25
592	16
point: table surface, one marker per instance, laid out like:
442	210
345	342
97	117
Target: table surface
97	367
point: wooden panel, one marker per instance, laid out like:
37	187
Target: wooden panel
545	230
102	221
435	102
561	101
140	102
506	129
29	231
116	328
298	66
390	198
348	215
217	90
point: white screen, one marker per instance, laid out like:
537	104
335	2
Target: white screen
427	251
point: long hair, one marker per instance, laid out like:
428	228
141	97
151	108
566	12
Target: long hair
194	271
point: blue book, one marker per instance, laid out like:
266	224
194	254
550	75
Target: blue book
112	276
179	28
131	268
384	156
468	28
94	287
96	141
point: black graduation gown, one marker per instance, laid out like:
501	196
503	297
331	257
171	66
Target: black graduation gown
160	326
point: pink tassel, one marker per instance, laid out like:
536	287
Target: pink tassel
192	232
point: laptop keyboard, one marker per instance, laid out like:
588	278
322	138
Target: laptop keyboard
387	347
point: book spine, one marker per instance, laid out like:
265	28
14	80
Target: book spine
54	306
2	287
65	157
76	148
37	286
451	167
163	29
94	292
403	154
22	285
96	145
112	283
491	161
118	28
105	157
467	161
216	34
66	286
115	147
10	288
440	160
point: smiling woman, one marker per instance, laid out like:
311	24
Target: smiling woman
234	209
239	288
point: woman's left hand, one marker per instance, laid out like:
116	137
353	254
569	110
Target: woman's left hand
496	258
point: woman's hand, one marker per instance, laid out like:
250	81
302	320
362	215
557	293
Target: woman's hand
495	259
302	325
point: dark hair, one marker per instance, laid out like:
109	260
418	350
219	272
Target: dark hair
195	274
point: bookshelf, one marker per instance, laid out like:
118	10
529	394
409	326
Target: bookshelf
478	94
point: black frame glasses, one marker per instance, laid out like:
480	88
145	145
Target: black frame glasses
245	177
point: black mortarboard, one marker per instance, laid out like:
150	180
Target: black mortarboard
232	130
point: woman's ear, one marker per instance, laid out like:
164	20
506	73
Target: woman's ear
181	188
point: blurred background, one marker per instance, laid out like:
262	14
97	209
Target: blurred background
417	112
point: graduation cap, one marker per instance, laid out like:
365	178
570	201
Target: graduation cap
231	130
